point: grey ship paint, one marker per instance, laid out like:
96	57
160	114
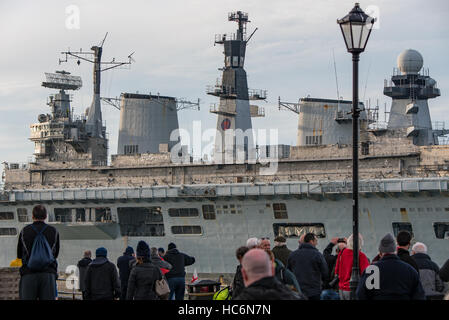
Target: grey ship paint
211	209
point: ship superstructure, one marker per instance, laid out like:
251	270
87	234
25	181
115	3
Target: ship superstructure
211	208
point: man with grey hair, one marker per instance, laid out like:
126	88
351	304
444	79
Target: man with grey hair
252	243
428	272
259	280
393	279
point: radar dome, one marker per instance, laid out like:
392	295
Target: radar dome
410	61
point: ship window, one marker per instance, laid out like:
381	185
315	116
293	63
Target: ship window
365	148
22	215
183	212
280	211
429	209
186	230
446	209
401	226
438	209
141	221
235	61
63	214
441	230
296	230
103	215
228	61
8	231
7	215
131	149
208	212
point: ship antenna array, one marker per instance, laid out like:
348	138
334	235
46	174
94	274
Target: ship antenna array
96	52
292	106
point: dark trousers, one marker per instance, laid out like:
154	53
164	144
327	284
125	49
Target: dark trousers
123	288
177	288
38	286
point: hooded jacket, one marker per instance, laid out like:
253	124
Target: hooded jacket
164	266
268	288
179	261
397	281
142	280
429	275
102	282
82	267
123	265
309	267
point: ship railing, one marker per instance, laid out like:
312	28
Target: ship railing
222	37
257	94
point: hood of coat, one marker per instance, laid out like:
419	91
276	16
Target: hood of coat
172	251
421	256
84	262
97	262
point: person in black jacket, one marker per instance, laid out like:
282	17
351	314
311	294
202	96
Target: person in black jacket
444	271
82	267
331	292
396	279
403	239
260	284
237	283
124	267
143	277
428	272
176	276
102	281
280	250
309	267
38	284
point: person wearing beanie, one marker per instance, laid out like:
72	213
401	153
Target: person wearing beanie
102	280
397	280
124	266
280	250
143	276
176	276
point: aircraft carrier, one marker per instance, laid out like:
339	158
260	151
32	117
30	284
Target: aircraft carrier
154	190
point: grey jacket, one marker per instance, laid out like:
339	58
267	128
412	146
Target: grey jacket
428	274
158	262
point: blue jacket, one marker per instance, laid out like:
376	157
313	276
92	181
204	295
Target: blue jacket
397	281
309	267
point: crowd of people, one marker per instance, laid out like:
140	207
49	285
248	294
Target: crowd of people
263	272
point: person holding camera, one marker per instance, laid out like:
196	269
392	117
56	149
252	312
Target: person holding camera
330	285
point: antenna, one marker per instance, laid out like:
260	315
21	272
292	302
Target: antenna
366	81
104	39
336	78
94	118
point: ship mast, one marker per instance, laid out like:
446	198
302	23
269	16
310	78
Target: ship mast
94	119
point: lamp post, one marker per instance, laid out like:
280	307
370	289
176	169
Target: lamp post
356	28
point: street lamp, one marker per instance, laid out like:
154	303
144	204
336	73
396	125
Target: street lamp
356	28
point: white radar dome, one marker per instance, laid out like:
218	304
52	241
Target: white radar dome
410	61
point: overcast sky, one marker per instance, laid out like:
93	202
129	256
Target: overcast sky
290	55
